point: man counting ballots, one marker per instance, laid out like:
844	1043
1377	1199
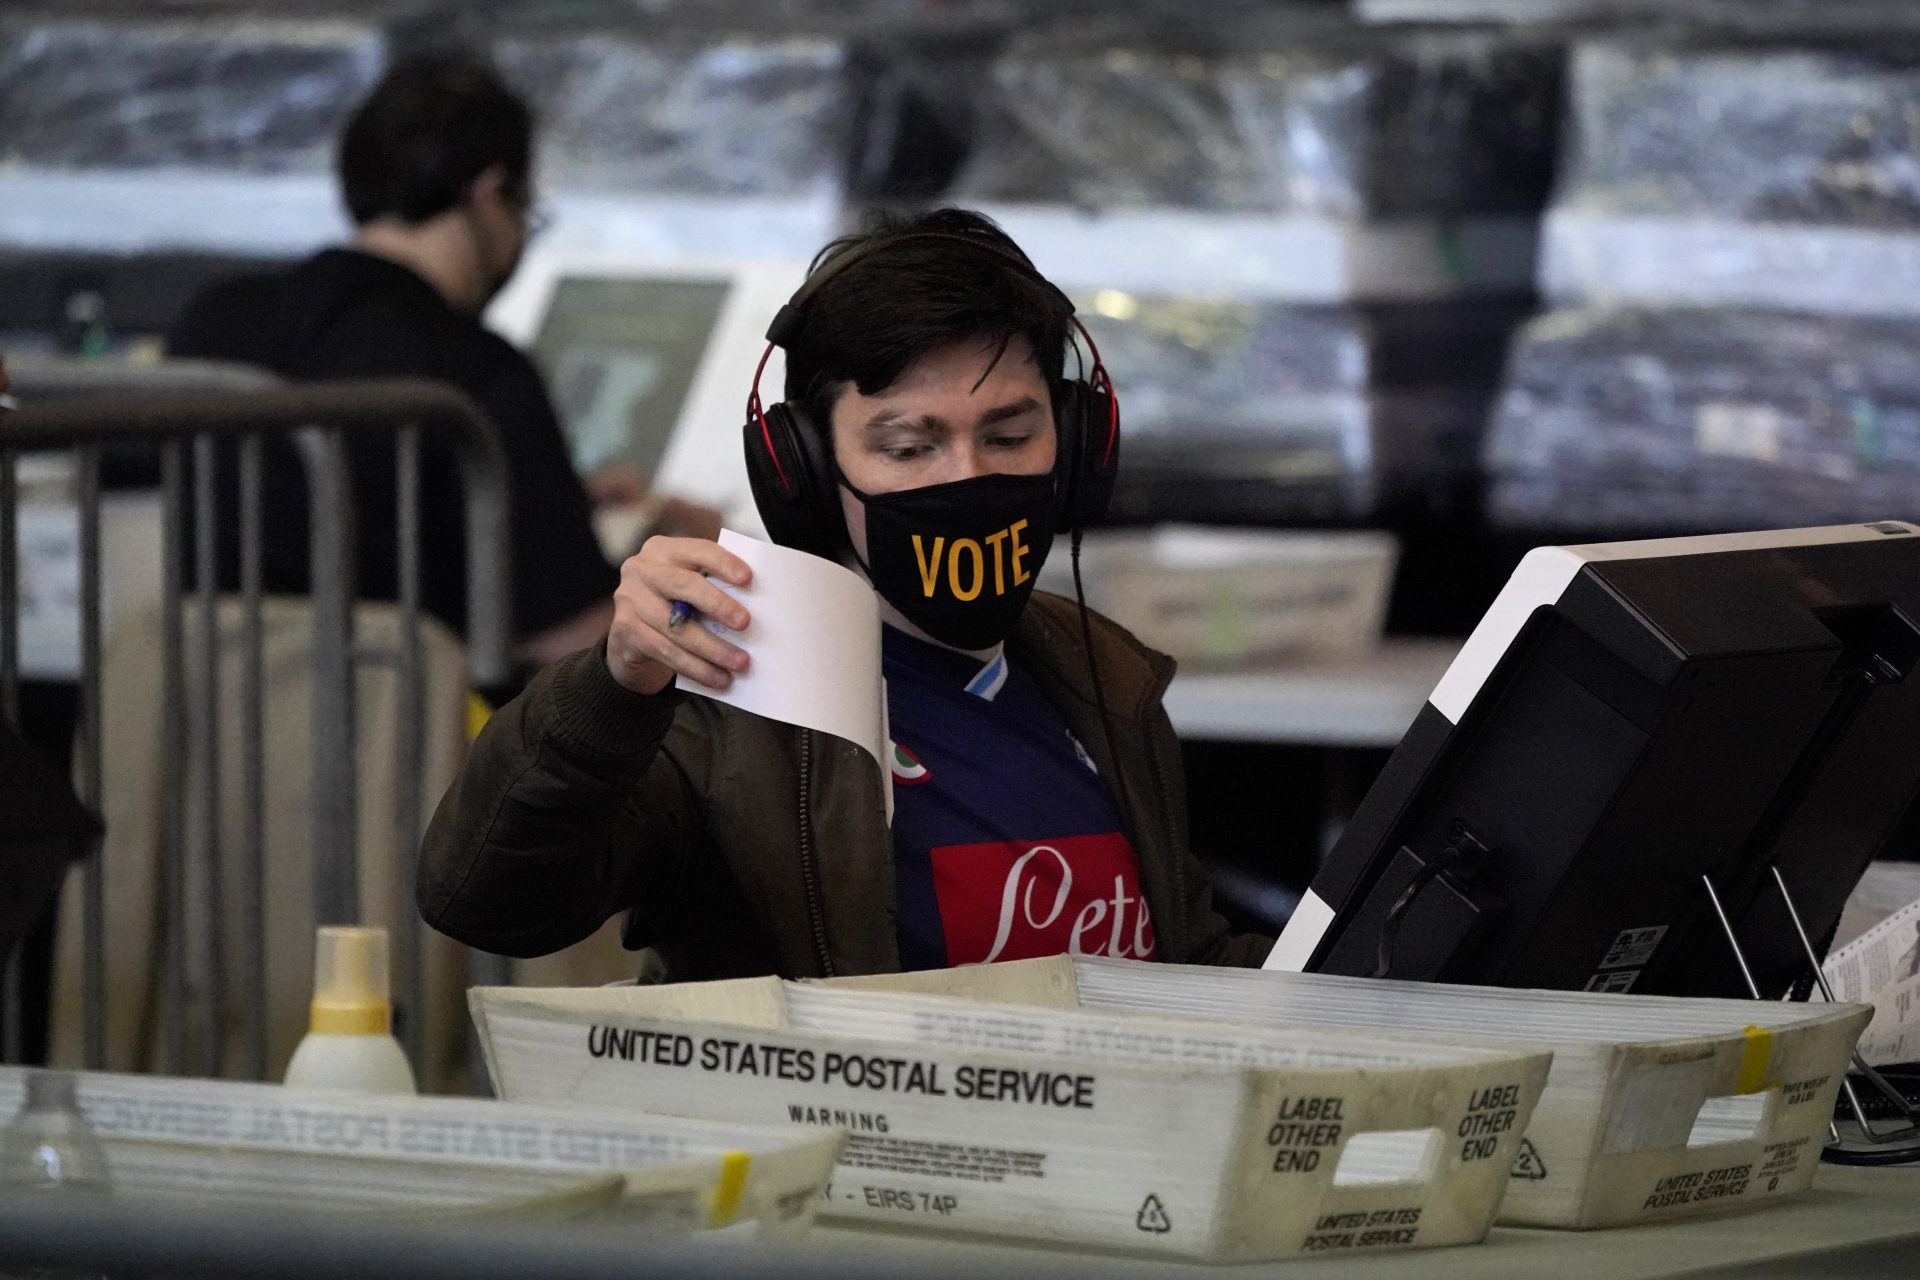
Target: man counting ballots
935	440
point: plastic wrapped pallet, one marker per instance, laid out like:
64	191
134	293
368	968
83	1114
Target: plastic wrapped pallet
1653	421
662	112
1656	1107
1733	174
1781	16
1178	1138
125	132
1259	117
1266	412
343	1151
1239	411
261	95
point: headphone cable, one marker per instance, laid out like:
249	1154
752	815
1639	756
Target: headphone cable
1093	673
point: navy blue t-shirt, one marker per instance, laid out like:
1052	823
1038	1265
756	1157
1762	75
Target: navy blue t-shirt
1007	842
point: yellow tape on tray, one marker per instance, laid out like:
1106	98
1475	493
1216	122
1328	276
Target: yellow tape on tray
725	1201
1755	1056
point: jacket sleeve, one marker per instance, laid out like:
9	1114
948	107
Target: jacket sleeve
572	807
1213	939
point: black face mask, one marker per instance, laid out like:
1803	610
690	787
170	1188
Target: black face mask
959	560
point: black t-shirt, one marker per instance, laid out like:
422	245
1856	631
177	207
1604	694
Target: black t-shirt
347	314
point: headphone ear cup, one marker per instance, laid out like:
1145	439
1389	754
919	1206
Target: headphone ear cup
792	484
1089	453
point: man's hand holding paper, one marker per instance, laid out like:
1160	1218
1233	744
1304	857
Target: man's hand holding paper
645	651
814	631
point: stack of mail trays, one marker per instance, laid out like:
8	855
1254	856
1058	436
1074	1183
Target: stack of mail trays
1656	1107
260	1147
1105	1129
1212	1114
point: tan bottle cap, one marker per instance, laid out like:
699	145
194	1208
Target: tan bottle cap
350	991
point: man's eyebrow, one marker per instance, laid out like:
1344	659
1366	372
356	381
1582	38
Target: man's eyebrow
1026	404
888	419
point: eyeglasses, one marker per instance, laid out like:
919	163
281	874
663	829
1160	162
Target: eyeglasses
539	217
535	212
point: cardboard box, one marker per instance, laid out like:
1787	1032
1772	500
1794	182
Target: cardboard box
1160	1135
1242	597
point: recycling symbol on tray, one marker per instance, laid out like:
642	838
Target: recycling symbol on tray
1528	1164
1152	1217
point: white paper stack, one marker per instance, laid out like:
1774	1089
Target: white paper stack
1882	967
1171	1136
258	1143
1656	1106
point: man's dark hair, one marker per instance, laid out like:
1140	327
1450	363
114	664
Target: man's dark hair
902	300
430	127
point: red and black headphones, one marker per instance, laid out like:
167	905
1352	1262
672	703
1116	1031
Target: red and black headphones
792	474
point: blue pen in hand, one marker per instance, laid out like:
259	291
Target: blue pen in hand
678	611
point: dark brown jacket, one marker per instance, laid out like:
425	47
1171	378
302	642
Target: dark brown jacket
743	846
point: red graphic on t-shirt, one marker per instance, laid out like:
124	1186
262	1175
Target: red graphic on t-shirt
1019	900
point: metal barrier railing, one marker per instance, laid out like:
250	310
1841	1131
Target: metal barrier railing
87	408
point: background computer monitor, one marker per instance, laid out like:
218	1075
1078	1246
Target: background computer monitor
649	358
1627	718
619	355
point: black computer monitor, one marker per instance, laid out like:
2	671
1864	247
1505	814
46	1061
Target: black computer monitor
1626	719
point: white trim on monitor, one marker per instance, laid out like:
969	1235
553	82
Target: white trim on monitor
1544	574
704	459
1305	927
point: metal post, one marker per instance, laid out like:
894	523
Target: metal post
253	835
12	1031
483	476
172	816
9	591
411	985
93	978
212	915
336	893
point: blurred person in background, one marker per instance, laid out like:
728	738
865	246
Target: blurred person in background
436	171
1039	805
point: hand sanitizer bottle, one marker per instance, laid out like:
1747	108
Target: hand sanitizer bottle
349	1043
49	1145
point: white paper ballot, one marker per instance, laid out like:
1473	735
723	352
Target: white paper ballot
814	645
1882	967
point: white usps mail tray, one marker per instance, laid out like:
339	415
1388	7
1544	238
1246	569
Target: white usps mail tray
230	1141
1656	1107
1161	1135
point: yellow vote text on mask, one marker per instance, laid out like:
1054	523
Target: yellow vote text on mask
966	565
